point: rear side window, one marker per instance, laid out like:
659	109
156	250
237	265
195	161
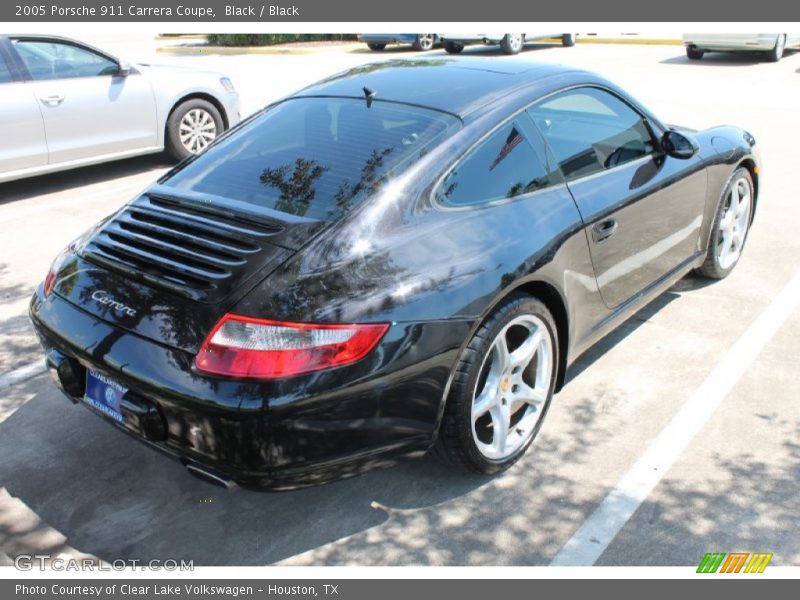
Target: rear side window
315	157
503	166
590	130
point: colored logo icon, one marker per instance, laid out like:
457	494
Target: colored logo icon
734	562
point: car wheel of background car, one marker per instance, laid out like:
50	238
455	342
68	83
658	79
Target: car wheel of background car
693	53
424	41
731	225
568	40
511	43
503	384
191	127
453	47
376	47
776	53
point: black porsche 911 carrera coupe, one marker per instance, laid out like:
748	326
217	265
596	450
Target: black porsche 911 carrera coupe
404	256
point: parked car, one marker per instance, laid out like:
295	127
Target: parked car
375	266
510	43
771	45
418	41
67	104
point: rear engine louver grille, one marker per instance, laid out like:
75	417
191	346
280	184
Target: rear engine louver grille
179	244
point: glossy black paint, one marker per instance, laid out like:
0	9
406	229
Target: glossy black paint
431	271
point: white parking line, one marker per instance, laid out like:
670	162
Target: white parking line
21	374
596	533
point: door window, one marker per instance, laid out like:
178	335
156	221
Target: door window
56	60
590	130
5	72
503	166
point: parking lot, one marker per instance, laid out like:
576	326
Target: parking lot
726	477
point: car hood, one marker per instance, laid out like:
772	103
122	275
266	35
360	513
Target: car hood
162	70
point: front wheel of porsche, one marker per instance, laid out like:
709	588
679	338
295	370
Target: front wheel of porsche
503	384
731	226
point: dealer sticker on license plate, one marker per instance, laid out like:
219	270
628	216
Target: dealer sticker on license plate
104	395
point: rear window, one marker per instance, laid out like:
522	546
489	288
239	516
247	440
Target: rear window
315	157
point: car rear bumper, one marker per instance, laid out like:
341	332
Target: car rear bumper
385	38
276	434
473	38
732	42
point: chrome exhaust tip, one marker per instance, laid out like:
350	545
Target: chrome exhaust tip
210	476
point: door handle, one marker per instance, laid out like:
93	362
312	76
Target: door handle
603	230
53	100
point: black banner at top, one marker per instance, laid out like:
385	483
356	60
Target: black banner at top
454	11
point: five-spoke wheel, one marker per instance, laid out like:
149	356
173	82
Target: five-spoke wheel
502	387
510	394
731	224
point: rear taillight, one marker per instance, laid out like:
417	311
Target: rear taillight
52	274
257	348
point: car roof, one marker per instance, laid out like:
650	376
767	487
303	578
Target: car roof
460	86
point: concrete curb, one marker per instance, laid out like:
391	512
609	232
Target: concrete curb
357	46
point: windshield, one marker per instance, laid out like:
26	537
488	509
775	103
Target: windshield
315	157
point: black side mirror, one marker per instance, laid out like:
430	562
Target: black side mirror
678	145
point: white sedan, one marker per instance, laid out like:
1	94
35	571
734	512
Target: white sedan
510	43
66	104
772	45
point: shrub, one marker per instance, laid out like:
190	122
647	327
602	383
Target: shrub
268	39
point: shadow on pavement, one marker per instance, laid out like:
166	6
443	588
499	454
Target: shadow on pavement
116	499
10	292
742	504
394	49
66	180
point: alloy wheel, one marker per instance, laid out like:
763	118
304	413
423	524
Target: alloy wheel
734	222
197	130
512	389
515	41
425	41
780	45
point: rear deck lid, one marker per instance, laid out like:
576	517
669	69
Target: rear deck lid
168	265
190	246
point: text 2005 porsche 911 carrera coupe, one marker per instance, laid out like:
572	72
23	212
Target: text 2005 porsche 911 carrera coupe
404	256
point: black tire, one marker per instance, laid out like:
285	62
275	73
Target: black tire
424	42
776	53
173	144
376	47
455	444
510	45
711	267
692	53
453	47
568	40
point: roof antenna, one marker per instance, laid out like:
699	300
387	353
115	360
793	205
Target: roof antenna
369	94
